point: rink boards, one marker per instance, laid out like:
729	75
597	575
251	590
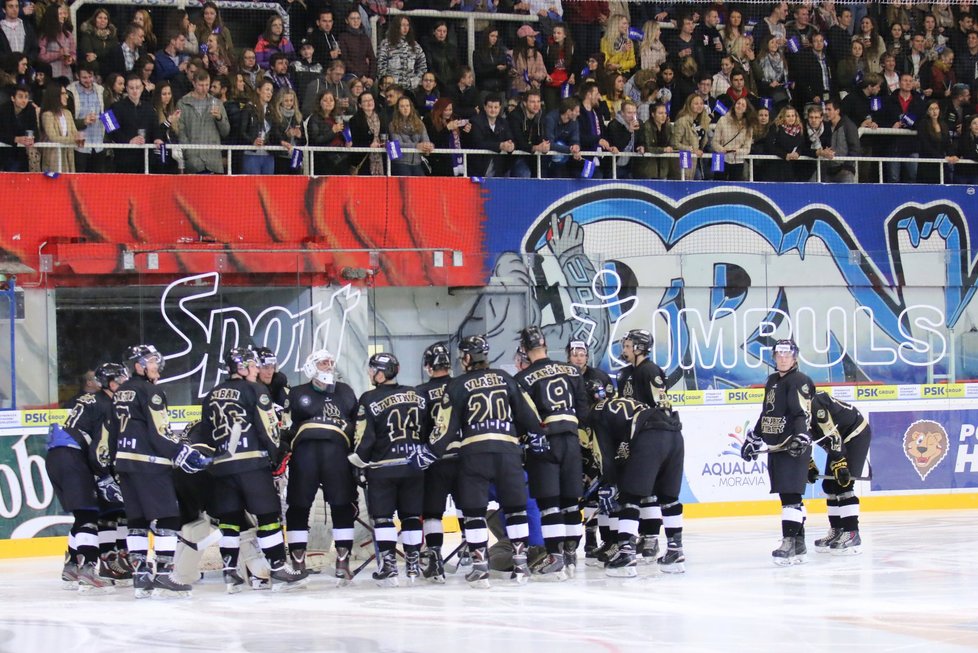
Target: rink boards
924	455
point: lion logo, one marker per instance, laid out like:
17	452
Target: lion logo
925	444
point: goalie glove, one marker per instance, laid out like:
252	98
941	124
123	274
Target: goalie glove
798	444
190	460
751	446
840	470
537	443
108	489
421	458
608	499
812	471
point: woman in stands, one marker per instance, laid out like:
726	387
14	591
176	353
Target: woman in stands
248	66
286	131
400	55
691	133
210	23
446	131
561	64
179	21
529	69
734	136
325	129
407	129
489	61
966	170
652	52
853	68
773	82
168	116
256	126
143	18
57	43
617	47
273	40
934	142
97	36
426	94
115	89
58	126
873	45
655	137
369	129
218	61
786	139
732	30
759	146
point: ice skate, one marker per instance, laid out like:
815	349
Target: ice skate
521	572
412	567
570	559
142	579
791	552
386	576
624	564
674	561
285	578
847	544
600	556
297	557
434	567
550	568
258	582
233	582
342	573
478	576
112	568
69	576
648	549
89	581
823	544
164	585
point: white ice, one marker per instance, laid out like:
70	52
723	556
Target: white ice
915	588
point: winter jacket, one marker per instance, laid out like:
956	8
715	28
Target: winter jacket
406	63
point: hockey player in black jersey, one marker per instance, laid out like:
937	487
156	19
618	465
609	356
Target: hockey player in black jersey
843	432
388	430
641	453
784	427
145	451
441	476
269	376
239	422
578	355
485	410
556	475
644	381
73	465
322	414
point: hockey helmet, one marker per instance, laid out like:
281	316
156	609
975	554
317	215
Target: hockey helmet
641	340
266	356
575	344
239	357
311	367
384	362
142	354
437	357
532	338
108	372
475	347
786	346
521	359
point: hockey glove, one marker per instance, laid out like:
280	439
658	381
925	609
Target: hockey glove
537	443
283	464
840	470
608	499
109	490
421	458
190	460
812	471
798	444
750	447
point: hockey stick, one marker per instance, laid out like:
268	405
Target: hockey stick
783	447
356	461
234	440
825	477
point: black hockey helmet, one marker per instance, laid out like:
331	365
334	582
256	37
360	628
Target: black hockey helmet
641	340
786	346
239	356
577	343
476	347
531	338
142	354
266	356
384	362
108	372
521	359
596	390
437	357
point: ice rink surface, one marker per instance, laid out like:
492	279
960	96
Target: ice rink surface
914	588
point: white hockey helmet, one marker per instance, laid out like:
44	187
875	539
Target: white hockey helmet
311	367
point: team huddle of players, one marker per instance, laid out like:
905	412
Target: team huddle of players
554	437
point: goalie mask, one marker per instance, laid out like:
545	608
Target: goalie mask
319	366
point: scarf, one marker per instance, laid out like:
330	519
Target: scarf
815	136
620	42
791	130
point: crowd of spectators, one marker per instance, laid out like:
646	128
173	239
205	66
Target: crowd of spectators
712	82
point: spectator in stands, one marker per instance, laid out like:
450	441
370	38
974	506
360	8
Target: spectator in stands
958	109
96	36
183	84
817	138
180	22
665	86
203	121
216	60
357	50
490	131
144	68
58	126
391	96
305	69
426	94
562	130
115	89
489	60
839	37
942	77
272	42
137	126
617	47
853	68
240	96
464	94
278	72
407	129
623	137
873	44
734	136
802	27
891	78
858	105
773	82
88	104
561	64
325	129
934	39
711	42
529	70
744	59
957	38
785	139
683	44
526	124
902	110
287	131
812	72
400	55
248	66
687	80
587	19
966	61
896	44
966	170
691	133
41	79
369	129
772	25
331	81
442	55
914	61
654	137
592	119
122	58
325	40
18	129
210	23
256	127
446	131
733	28
143	18
167	130
934	142
721	80
759	146
169	60
844	141
16	34
613	94
652	52
896	14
